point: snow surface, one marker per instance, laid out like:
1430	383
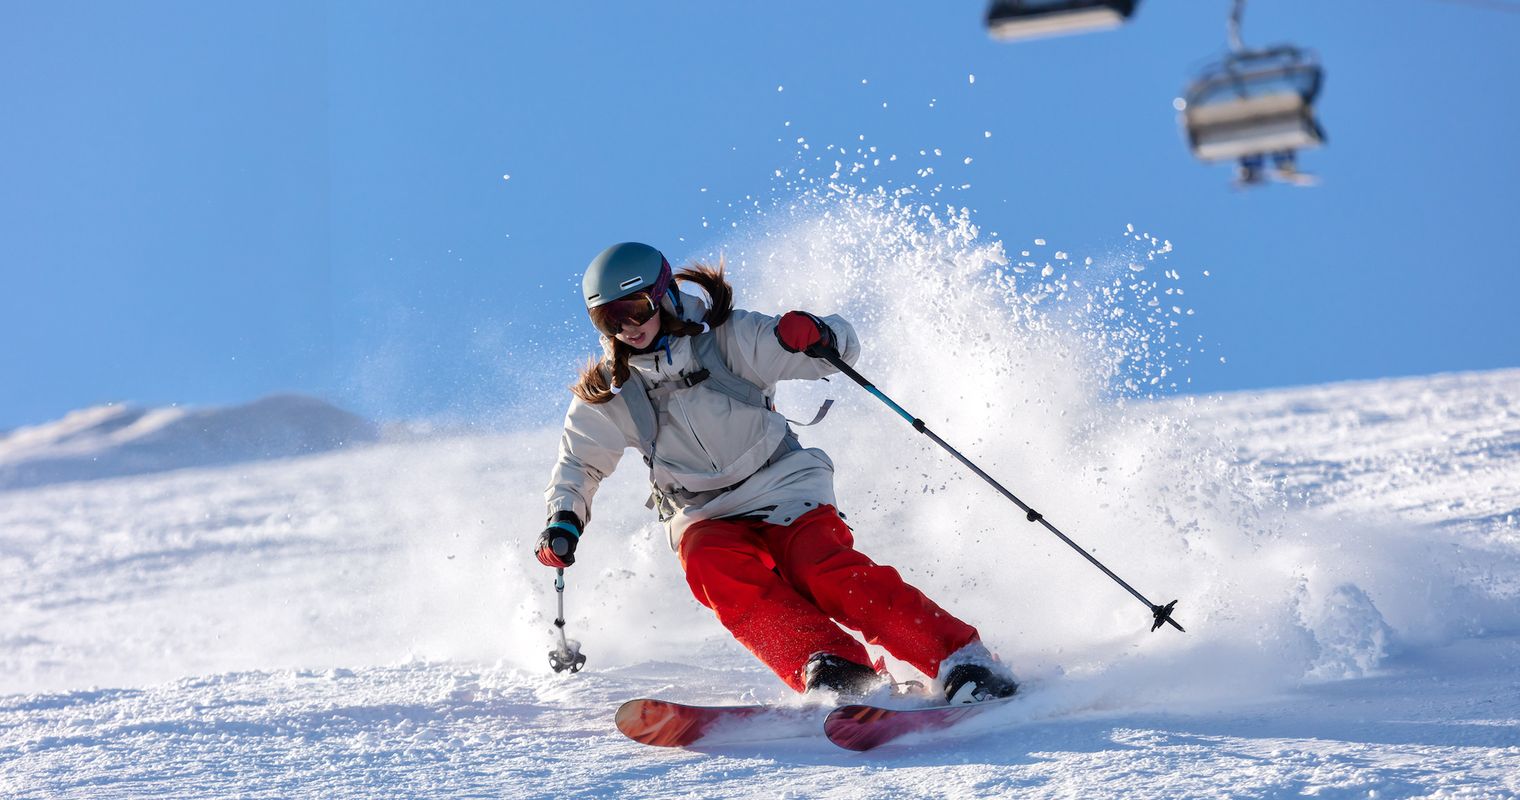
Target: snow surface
370	622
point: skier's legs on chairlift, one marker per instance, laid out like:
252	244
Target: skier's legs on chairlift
1249	170
1286	165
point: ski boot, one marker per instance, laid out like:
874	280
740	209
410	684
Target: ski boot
841	676
972	675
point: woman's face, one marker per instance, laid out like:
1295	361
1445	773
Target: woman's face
639	336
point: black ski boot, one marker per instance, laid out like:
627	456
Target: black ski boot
849	680
974	683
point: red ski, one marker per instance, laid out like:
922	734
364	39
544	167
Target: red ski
862	727
665	724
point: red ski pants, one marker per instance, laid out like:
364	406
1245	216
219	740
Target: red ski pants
781	590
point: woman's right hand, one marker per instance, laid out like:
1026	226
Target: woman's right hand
556	545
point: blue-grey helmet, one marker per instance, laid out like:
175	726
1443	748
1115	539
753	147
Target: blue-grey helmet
627	284
622	270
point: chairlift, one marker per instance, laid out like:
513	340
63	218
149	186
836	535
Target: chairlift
1254	106
1009	20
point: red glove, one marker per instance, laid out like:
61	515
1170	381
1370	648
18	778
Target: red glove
801	332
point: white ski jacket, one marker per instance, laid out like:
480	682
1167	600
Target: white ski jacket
714	456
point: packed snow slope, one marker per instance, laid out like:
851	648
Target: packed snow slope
370	622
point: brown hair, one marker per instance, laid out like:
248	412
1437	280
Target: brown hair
601	375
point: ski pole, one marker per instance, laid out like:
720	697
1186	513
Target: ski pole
568	655
1161	614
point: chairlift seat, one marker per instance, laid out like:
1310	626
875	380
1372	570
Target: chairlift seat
1009	20
1238	127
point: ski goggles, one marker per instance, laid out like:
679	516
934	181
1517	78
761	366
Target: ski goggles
635	309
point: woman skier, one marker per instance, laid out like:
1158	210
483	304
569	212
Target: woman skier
749	510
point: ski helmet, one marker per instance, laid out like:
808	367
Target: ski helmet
623	269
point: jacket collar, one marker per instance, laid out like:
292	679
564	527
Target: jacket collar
658	365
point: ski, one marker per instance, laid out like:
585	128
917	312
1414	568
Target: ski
863	727
662	723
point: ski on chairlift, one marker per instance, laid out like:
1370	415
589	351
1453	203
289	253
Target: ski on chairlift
1010	20
1255	106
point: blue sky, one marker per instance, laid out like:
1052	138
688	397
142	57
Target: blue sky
204	203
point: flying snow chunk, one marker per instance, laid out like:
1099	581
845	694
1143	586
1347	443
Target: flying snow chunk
1352	635
506	177
1039	242
971	78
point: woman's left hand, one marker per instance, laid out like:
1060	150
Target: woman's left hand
801	332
